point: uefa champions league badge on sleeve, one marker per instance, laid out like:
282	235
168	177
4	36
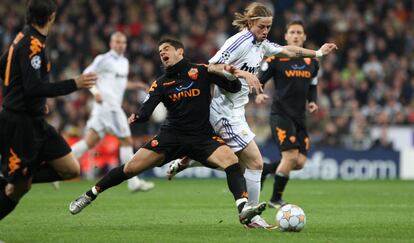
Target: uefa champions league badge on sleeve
36	62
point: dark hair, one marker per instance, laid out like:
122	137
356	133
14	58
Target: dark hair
295	22
174	42
39	11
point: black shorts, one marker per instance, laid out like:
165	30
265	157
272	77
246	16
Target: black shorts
25	142
175	145
289	133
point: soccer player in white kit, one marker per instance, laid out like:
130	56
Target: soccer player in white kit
245	51
107	115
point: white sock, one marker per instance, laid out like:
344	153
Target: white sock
125	154
240	201
253	185
94	191
79	148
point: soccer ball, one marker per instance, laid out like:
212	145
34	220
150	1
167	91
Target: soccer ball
291	218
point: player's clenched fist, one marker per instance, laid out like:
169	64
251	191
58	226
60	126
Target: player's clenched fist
86	80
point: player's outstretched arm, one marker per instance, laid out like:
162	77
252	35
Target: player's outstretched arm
137	86
228	70
85	81
297	52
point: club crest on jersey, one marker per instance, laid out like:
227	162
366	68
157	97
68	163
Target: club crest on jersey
154	143
193	73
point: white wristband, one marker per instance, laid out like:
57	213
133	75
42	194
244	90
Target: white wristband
229	76
94	90
318	53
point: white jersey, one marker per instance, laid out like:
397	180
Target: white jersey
112	71
245	53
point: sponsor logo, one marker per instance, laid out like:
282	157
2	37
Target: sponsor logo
321	167
292	139
281	135
181	88
118	75
35	46
248	68
14	162
297	73
184	94
296	67
154	85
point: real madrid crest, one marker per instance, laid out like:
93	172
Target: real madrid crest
193	73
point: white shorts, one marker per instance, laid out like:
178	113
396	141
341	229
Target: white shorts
234	131
109	121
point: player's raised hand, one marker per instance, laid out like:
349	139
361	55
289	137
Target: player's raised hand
312	107
327	48
132	118
86	80
261	98
251	79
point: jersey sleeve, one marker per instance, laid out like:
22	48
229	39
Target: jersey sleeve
34	84
233	49
96	66
313	91
315	72
267	70
271	48
151	101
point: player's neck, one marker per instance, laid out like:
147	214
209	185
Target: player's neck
116	53
42	30
177	67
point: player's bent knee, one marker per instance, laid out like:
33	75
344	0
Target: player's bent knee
17	191
256	164
300	164
71	171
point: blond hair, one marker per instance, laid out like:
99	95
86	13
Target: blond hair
252	12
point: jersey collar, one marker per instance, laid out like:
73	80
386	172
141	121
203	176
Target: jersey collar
181	66
115	54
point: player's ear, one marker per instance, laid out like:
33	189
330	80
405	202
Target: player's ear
52	17
250	24
181	51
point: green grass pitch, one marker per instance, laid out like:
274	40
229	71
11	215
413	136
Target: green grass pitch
202	210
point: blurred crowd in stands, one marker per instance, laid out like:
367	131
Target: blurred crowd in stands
368	82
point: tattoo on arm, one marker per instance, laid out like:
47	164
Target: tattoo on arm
299	53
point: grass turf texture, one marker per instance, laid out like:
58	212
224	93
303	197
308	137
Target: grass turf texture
202	210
